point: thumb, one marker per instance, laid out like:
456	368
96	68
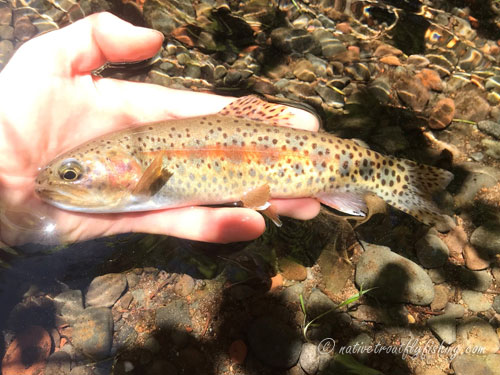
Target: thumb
89	43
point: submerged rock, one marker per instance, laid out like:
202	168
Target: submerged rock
105	290
432	252
476	301
490	127
467	364
475	332
93	332
396	278
487	237
274	343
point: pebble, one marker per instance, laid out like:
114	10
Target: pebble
274	343
184	285
454	310
132	279
440	297
28	352
69	305
59	363
238	351
432	252
476	180
6	32
291	295
331	97
126	337
292	270
320	66
93	332
496	304
390	60
276	282
429	371
6	51
380	89
335	271
475	301
442	114
431	79
475	331
318	303
437	275
490	127
479	281
232	78
475	259
444	327
5	14
139	297
105	290
174	314
219	72
386	49
477	156
192	71
331	47
492	148
418	61
470	105
24	29
358	72
397	279
471	364
309	358
303	70
363	340
294	40
487	238
412	93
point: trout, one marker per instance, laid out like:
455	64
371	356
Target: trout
237	155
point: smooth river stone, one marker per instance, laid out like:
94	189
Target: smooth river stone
396	278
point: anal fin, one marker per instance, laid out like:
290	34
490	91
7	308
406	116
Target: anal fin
350	203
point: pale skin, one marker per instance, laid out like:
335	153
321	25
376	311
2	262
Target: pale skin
50	103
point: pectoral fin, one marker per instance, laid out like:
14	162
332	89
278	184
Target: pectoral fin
153	179
258	199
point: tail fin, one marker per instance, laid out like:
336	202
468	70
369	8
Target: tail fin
414	192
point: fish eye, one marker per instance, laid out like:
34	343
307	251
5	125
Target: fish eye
70	170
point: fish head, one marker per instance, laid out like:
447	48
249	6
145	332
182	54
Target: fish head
89	181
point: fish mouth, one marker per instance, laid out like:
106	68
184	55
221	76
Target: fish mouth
76	200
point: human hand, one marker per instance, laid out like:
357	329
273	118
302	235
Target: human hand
51	103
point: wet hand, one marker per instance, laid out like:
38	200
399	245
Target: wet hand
51	103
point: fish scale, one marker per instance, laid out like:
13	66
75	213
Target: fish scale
236	155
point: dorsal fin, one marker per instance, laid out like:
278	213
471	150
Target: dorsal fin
254	108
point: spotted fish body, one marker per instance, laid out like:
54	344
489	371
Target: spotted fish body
235	155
